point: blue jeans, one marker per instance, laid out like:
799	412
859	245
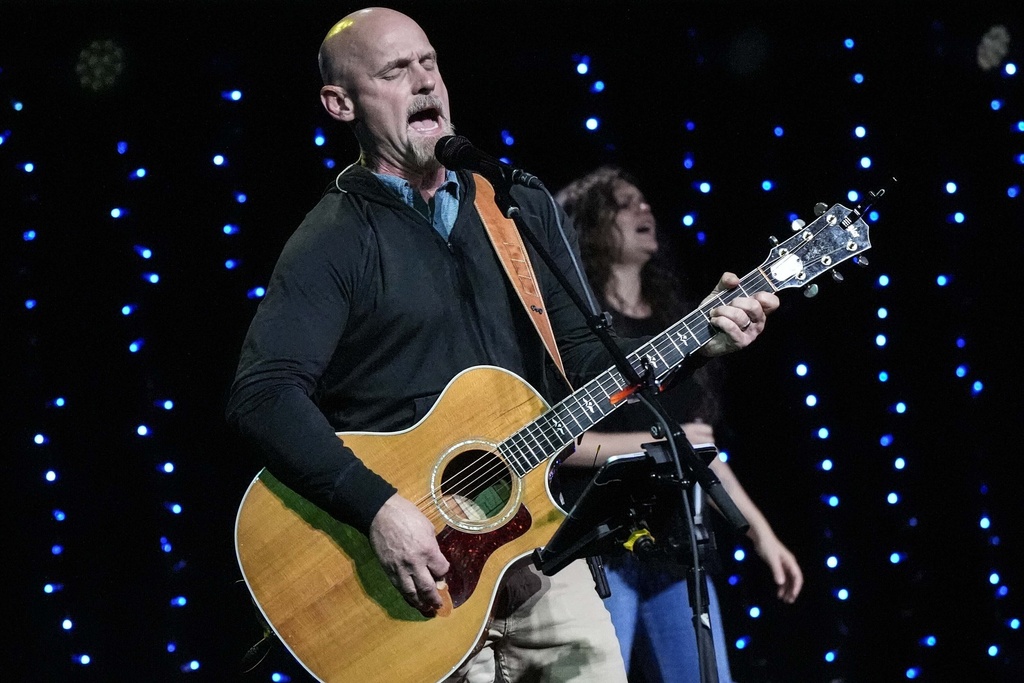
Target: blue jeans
644	598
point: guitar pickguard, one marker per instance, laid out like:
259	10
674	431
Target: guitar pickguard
468	553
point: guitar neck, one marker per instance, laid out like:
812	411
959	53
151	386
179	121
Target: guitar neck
556	429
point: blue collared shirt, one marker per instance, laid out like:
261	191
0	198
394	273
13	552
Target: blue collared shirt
441	211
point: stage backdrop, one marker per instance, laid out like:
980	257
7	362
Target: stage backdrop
154	157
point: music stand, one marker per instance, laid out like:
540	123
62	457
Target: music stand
618	501
597	520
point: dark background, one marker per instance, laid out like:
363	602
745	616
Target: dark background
736	70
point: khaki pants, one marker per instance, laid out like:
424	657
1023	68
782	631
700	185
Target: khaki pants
546	630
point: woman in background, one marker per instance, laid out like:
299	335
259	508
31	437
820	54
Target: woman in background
618	240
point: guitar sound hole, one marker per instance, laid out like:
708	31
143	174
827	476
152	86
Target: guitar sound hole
476	486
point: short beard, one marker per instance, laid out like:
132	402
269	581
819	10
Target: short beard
423	148
420	155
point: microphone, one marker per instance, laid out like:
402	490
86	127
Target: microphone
455	152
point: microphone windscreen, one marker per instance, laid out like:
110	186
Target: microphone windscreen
449	148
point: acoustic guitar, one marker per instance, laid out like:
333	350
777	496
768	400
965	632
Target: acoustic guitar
477	465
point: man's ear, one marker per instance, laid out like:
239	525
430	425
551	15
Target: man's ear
337	103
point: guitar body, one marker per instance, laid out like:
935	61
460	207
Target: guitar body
318	582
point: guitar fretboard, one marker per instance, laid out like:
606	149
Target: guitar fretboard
553	431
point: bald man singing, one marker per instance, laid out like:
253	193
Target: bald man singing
387	291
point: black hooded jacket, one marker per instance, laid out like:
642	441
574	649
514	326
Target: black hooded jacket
369	314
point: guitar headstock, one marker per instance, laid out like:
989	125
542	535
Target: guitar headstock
836	235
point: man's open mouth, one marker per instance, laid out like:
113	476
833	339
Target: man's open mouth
425	120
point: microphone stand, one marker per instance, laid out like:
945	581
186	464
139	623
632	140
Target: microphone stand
683	456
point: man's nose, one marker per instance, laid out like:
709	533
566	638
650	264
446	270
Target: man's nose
424	81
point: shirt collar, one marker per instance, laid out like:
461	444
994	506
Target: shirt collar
403	189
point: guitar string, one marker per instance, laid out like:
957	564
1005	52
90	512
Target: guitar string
489	468
494	469
474	475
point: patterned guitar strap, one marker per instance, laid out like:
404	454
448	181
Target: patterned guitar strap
508	244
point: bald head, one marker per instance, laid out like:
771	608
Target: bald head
353	36
381	77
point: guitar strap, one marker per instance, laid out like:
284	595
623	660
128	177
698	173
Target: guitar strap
508	244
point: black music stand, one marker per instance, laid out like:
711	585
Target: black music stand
623	497
629	497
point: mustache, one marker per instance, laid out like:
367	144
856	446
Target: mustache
424	102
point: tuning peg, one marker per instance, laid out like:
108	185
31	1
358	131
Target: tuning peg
798	224
810	291
860	261
837	276
820	208
774	240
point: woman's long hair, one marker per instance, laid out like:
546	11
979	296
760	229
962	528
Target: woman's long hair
590	203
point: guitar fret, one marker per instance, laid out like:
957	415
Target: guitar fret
558	425
505	451
589	405
569	413
675	346
551	433
579	413
538	446
518	460
528	448
554	445
768	280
